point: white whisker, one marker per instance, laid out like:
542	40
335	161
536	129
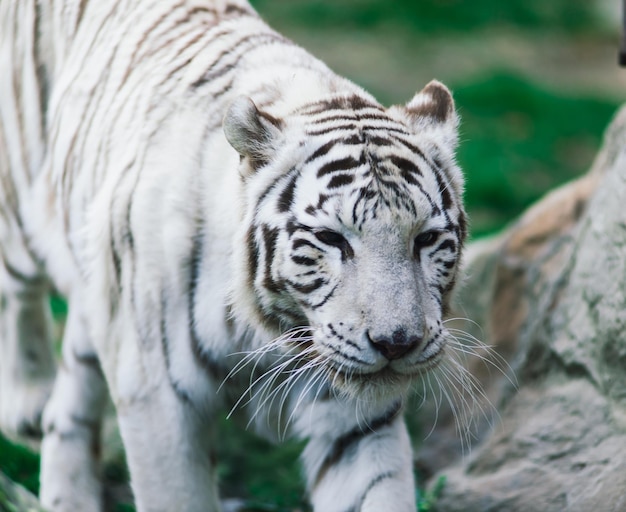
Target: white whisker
281	348
468	402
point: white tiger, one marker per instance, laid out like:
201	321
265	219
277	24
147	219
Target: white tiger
219	208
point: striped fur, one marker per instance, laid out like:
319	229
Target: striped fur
233	225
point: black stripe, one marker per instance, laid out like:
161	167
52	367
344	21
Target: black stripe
237	9
325	299
270	238
285	199
253	41
353	102
375	481
34	280
340	180
413	148
446	244
444	190
350	115
308	288
343	164
321	200
272	186
165	347
348	442
321	151
345	116
200	352
448	264
41	69
301	242
462	228
188	44
365	195
330	129
378	140
117	260
90	361
385	128
150	31
304	260
405	165
252	250
223	90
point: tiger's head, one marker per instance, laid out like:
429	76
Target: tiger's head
353	231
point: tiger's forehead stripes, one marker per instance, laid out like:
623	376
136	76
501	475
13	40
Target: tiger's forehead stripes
343	103
379	170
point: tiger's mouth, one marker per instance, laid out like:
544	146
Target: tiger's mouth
394	378
431	355
351	376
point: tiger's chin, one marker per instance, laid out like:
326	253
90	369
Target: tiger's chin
385	384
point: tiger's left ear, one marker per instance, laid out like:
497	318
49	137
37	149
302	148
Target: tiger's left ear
253	133
433	109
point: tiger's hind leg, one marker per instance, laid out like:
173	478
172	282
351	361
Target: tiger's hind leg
70	452
27	365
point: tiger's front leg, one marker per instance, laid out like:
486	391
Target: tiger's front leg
365	468
164	418
169	454
70	465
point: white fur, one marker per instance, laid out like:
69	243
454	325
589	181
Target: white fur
139	210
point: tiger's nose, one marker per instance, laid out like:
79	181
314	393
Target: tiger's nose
396	345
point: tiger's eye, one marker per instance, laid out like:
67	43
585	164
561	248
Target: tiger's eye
334	239
331	238
423	240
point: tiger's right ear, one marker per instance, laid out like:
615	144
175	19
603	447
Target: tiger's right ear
253	133
432	109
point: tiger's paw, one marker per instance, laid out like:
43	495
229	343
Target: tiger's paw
69	478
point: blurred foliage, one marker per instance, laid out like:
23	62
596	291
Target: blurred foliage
20	464
270	476
427	501
14	498
58	305
572	16
519	140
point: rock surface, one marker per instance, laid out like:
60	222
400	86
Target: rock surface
550	295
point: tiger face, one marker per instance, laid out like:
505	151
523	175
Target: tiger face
355	226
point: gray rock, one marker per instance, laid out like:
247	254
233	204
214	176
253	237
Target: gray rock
550	294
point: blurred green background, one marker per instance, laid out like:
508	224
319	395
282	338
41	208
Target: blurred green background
536	83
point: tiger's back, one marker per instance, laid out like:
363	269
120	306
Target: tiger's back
204	188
